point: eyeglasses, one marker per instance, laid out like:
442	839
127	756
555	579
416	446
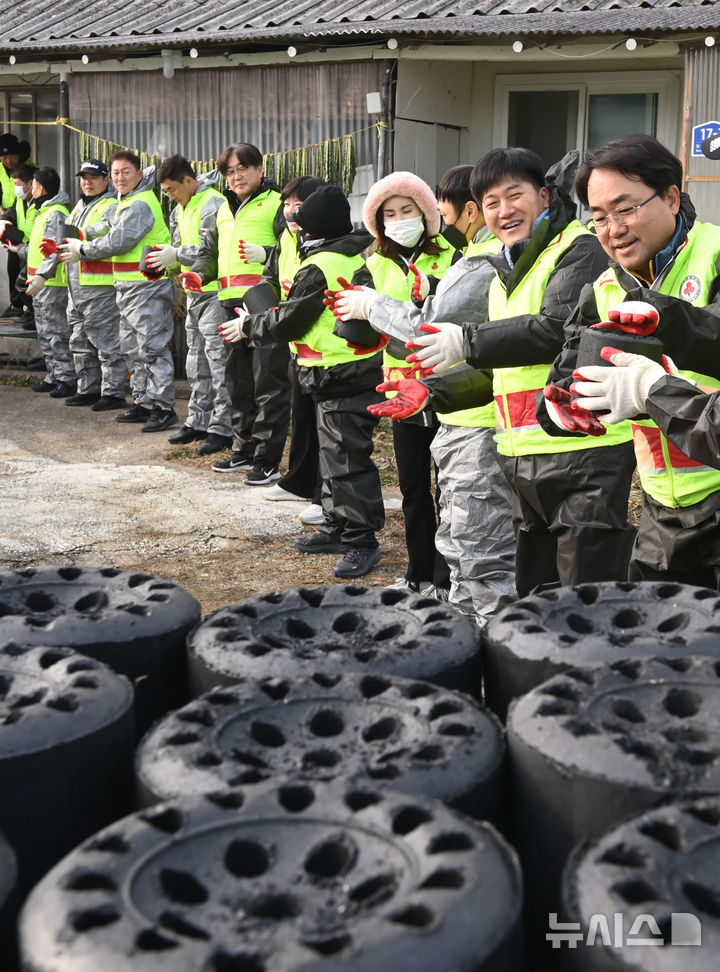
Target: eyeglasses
623	217
240	170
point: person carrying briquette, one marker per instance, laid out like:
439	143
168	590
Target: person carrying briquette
234	253
93	315
570	498
340	380
13	153
407	259
146	303
197	200
474	532
660	255
20	217
47	285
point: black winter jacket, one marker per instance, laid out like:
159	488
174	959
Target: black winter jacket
294	317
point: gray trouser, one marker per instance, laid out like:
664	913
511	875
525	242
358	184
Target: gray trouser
209	408
475	533
54	333
146	329
94	321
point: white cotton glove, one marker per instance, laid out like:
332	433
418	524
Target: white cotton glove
355	304
232	331
251	252
621	391
162	258
70	251
440	347
35	285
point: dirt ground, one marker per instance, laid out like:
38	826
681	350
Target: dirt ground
78	488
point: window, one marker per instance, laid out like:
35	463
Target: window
552	114
19	108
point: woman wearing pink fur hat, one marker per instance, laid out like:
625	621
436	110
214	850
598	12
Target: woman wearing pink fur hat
406	260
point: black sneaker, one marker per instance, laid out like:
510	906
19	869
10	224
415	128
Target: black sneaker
319	543
136	413
236	463
261	475
160	418
44	386
62	390
214	443
357	562
106	403
185	435
83	398
12	312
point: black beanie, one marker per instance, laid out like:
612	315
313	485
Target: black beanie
325	213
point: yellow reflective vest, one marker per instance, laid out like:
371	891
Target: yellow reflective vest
126	266
666	474
94	273
34	255
252	222
189	220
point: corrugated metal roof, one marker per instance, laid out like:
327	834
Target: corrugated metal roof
67	26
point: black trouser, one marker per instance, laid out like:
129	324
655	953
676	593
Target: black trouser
680	544
258	381
351	494
303	475
570	515
420	504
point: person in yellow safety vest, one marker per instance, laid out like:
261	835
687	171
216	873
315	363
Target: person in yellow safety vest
234	254
570	498
302	479
209	415
13	152
47	285
93	315
406	260
662	255
21	216
475	532
340	380
146	302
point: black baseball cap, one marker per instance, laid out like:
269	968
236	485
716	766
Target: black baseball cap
93	167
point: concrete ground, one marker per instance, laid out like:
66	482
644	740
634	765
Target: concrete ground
76	487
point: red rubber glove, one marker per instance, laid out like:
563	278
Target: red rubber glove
632	317
48	246
364	349
421	285
608	352
567	415
330	295
412	397
251	252
191	281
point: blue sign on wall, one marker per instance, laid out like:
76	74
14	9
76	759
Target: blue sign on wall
701	132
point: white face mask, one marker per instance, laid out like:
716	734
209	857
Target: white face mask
405	232
19	192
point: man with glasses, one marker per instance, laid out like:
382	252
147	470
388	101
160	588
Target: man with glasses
235	253
661	255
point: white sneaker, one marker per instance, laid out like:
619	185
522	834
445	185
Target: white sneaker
403	584
312	516
278	493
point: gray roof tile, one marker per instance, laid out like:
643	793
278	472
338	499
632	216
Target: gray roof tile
68	27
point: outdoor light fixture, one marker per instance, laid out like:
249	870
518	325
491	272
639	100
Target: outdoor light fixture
392	44
85	59
193	52
709	41
12	59
631	44
170	60
518	46
292	51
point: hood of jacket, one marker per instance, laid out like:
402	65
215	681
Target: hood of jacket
208	180
61	199
349	245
